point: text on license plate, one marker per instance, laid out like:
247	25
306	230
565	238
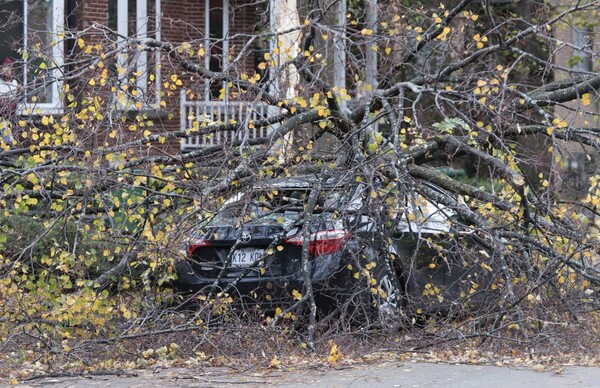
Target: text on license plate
246	257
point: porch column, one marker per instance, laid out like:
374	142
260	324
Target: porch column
284	17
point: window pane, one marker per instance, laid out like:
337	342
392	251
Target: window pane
11	28
582	49
39	59
215	34
137	88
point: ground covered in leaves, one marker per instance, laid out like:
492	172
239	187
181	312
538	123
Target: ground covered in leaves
256	347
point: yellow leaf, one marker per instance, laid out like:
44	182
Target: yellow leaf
297	294
585	99
275	363
334	354
125	311
486	267
366	31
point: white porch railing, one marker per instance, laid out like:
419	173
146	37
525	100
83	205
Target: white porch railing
241	112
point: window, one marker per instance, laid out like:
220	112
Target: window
216	18
281	205
31	35
582	49
218	15
138	70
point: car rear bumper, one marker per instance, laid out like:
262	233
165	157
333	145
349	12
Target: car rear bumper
265	291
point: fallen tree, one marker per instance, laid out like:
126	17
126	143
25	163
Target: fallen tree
471	87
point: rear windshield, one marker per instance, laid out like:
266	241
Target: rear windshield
277	205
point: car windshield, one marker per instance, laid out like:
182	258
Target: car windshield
282	206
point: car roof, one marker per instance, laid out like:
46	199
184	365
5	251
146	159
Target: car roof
305	181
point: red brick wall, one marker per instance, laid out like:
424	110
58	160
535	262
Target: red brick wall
89	12
183	21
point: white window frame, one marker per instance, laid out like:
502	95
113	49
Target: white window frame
141	26
55	74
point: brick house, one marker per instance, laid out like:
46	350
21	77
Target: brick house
220	27
575	56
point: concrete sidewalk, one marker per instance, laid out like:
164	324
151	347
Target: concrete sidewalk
385	374
398	374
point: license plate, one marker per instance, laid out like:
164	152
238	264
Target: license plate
246	257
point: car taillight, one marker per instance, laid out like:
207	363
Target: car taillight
322	243
195	244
